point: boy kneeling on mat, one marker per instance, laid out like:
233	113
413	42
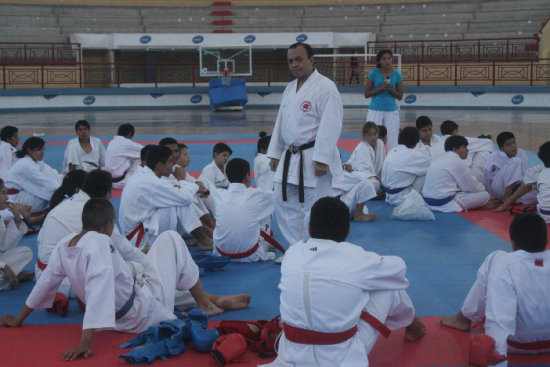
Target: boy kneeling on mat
511	293
103	281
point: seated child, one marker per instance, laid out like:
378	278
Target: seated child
13	258
368	156
9	136
450	185
505	168
242	217
32	181
479	149
150	205
84	152
70	185
114	299
180	178
337	297
215	171
405	167
535	187
122	155
427	138
511	293
262	172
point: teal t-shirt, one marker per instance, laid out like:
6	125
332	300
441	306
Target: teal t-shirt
383	101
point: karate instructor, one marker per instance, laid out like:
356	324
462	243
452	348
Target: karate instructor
303	148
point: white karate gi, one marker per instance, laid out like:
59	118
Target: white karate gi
75	155
36	182
208	205
213	174
102	280
325	286
262	172
158	205
478	152
189	184
449	175
314	112
66	218
369	161
240	215
543	195
502	171
122	156
511	292
16	257
358	189
425	148
404	167
7	158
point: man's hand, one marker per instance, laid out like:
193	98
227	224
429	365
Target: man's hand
179	173
321	169
73	353
273	164
203	191
348	167
8	321
84	349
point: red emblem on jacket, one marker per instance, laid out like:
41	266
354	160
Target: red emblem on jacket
306	106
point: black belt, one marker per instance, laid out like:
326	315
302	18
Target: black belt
118	179
294	150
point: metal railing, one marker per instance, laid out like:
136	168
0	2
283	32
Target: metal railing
499	49
116	75
39	53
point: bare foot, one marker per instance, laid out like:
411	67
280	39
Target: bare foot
191	241
25	276
501	208
364	217
232	302
205	245
458	322
211	309
415	331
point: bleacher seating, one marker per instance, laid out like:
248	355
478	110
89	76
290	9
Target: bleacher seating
390	21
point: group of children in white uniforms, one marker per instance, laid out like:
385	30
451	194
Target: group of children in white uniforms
374	288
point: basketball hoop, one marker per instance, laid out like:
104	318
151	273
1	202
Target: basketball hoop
226	77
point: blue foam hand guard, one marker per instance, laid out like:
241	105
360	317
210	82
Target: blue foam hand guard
138	340
203	338
145	354
198	316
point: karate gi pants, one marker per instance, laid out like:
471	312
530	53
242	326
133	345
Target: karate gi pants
293	216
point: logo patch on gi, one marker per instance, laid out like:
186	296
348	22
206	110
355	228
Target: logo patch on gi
313	249
539	262
306	106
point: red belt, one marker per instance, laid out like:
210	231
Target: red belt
242	255
12	191
140	230
239	255
544	344
312	337
40	264
272	241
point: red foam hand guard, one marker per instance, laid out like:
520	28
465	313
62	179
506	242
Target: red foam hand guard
482	351
270	332
227	348
60	305
250	330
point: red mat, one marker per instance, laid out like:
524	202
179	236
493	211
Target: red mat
496	223
42	345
